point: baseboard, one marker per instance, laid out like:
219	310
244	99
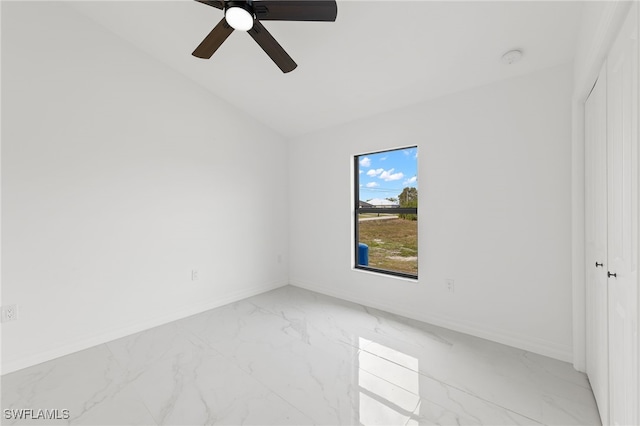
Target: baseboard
90	341
529	344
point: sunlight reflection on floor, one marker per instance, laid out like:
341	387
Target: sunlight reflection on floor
389	384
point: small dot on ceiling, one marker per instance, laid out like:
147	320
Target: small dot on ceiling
511	57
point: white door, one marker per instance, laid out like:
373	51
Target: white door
596	243
622	248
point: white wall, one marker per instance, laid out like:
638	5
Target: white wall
600	24
495	215
118	177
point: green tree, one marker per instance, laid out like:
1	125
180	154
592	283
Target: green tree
409	198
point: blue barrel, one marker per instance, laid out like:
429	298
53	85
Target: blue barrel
363	254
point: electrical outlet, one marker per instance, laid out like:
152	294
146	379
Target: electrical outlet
448	282
9	313
195	275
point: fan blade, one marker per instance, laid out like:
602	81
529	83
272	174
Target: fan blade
271	47
214	40
295	10
218	4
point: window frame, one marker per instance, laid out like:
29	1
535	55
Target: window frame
358	210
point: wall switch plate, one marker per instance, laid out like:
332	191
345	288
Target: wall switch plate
195	275
448	282
9	313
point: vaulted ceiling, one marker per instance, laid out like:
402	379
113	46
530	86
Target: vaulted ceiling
377	56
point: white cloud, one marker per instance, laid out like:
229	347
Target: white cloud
383	158
360	172
388	175
365	162
410	181
372	185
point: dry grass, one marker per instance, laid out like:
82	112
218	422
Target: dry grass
393	244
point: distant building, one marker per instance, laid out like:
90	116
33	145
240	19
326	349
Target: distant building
365	204
382	203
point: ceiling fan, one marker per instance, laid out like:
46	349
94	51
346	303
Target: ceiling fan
245	15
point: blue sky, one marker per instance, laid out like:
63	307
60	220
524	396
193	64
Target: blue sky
386	174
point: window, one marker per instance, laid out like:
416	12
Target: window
386	212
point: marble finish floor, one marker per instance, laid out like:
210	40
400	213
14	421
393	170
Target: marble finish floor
294	357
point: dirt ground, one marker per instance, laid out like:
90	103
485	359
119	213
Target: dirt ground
393	244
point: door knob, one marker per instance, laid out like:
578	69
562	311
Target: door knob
598	264
609	274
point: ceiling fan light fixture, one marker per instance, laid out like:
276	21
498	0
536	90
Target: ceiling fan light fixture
239	18
241	15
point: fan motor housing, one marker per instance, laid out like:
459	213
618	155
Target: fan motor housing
241	4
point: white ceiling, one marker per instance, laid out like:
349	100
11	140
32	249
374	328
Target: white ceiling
365	63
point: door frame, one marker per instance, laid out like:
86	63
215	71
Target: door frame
587	66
